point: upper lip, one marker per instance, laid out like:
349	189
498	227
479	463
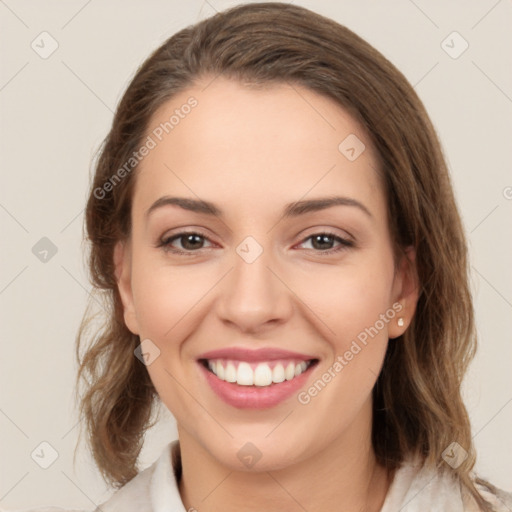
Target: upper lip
254	355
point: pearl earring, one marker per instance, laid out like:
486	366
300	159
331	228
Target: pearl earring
400	322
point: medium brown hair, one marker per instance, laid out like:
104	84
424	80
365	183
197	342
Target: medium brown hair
417	403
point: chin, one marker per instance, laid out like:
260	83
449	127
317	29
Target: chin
258	452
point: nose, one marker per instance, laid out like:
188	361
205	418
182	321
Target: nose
253	297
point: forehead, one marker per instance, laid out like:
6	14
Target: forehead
240	144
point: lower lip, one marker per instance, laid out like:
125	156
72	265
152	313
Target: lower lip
254	397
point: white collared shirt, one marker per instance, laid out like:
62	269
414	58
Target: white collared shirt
413	489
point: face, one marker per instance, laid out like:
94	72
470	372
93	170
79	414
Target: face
266	313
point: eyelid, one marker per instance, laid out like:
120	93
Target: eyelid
327	230
344	242
164	241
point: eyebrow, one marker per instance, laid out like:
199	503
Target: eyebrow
290	210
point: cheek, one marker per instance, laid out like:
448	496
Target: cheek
354	303
166	298
351	298
168	304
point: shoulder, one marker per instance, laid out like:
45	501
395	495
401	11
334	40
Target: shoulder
500	499
416	488
154	488
134	496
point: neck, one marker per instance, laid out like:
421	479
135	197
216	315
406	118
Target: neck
344	476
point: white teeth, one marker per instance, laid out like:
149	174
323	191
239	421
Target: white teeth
262	376
230	375
289	371
300	368
220	371
244	375
278	373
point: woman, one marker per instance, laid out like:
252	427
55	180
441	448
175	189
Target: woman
274	228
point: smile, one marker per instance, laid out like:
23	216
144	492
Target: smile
255	379
261	374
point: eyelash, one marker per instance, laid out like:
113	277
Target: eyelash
165	243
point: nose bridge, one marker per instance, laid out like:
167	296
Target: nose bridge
252	295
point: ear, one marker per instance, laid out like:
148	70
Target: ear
123	272
405	292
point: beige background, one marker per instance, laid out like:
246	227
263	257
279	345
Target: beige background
55	112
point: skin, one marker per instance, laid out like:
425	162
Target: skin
252	151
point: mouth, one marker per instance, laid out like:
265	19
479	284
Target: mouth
261	374
255	379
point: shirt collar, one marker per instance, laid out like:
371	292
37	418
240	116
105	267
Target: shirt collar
413	486
164	489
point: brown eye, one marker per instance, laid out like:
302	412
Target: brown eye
189	242
323	242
